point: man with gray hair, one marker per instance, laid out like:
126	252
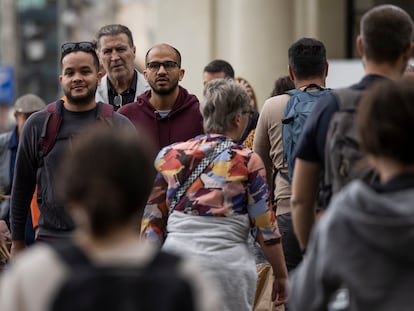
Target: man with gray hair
122	83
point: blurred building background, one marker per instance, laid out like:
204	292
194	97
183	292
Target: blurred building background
253	35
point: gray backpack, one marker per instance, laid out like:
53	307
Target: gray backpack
343	159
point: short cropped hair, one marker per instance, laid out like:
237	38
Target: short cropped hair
385	120
219	65
113	30
307	58
109	174
223	100
386	32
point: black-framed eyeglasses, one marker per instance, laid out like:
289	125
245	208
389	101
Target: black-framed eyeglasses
118	101
84	46
168	65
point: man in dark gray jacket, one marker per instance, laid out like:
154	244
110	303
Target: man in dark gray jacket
79	79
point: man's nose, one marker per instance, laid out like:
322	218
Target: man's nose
114	55
162	69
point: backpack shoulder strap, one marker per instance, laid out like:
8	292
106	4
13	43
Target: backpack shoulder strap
105	111
51	126
286	119
347	98
71	254
294	92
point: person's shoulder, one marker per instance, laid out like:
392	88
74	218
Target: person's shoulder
127	109
324	107
4	143
327	99
36	119
187	96
274	106
134	107
122	120
20	283
349	198
183	146
5	137
276	101
244	151
36	263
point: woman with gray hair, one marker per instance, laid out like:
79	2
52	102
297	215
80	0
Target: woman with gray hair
224	200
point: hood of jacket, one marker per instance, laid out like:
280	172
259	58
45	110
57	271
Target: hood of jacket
183	102
183	122
381	220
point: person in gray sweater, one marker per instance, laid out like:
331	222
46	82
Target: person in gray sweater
360	256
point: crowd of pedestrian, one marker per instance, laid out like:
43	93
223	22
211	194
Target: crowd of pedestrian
134	194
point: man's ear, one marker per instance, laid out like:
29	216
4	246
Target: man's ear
237	119
408	52
360	46
181	74
100	75
326	69
291	75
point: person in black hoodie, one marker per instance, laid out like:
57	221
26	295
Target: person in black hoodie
166	112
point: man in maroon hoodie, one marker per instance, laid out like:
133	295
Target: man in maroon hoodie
167	111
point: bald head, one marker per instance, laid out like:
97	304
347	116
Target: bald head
163	47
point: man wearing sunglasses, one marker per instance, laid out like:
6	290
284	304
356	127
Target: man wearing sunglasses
167	111
79	79
122	83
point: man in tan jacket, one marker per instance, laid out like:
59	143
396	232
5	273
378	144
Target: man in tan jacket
307	65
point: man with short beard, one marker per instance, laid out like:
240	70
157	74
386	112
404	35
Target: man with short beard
79	79
166	112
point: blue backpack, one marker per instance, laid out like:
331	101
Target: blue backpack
297	110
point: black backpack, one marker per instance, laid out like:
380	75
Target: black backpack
344	160
156	286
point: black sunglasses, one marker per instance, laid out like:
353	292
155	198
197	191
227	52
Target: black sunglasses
84	46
